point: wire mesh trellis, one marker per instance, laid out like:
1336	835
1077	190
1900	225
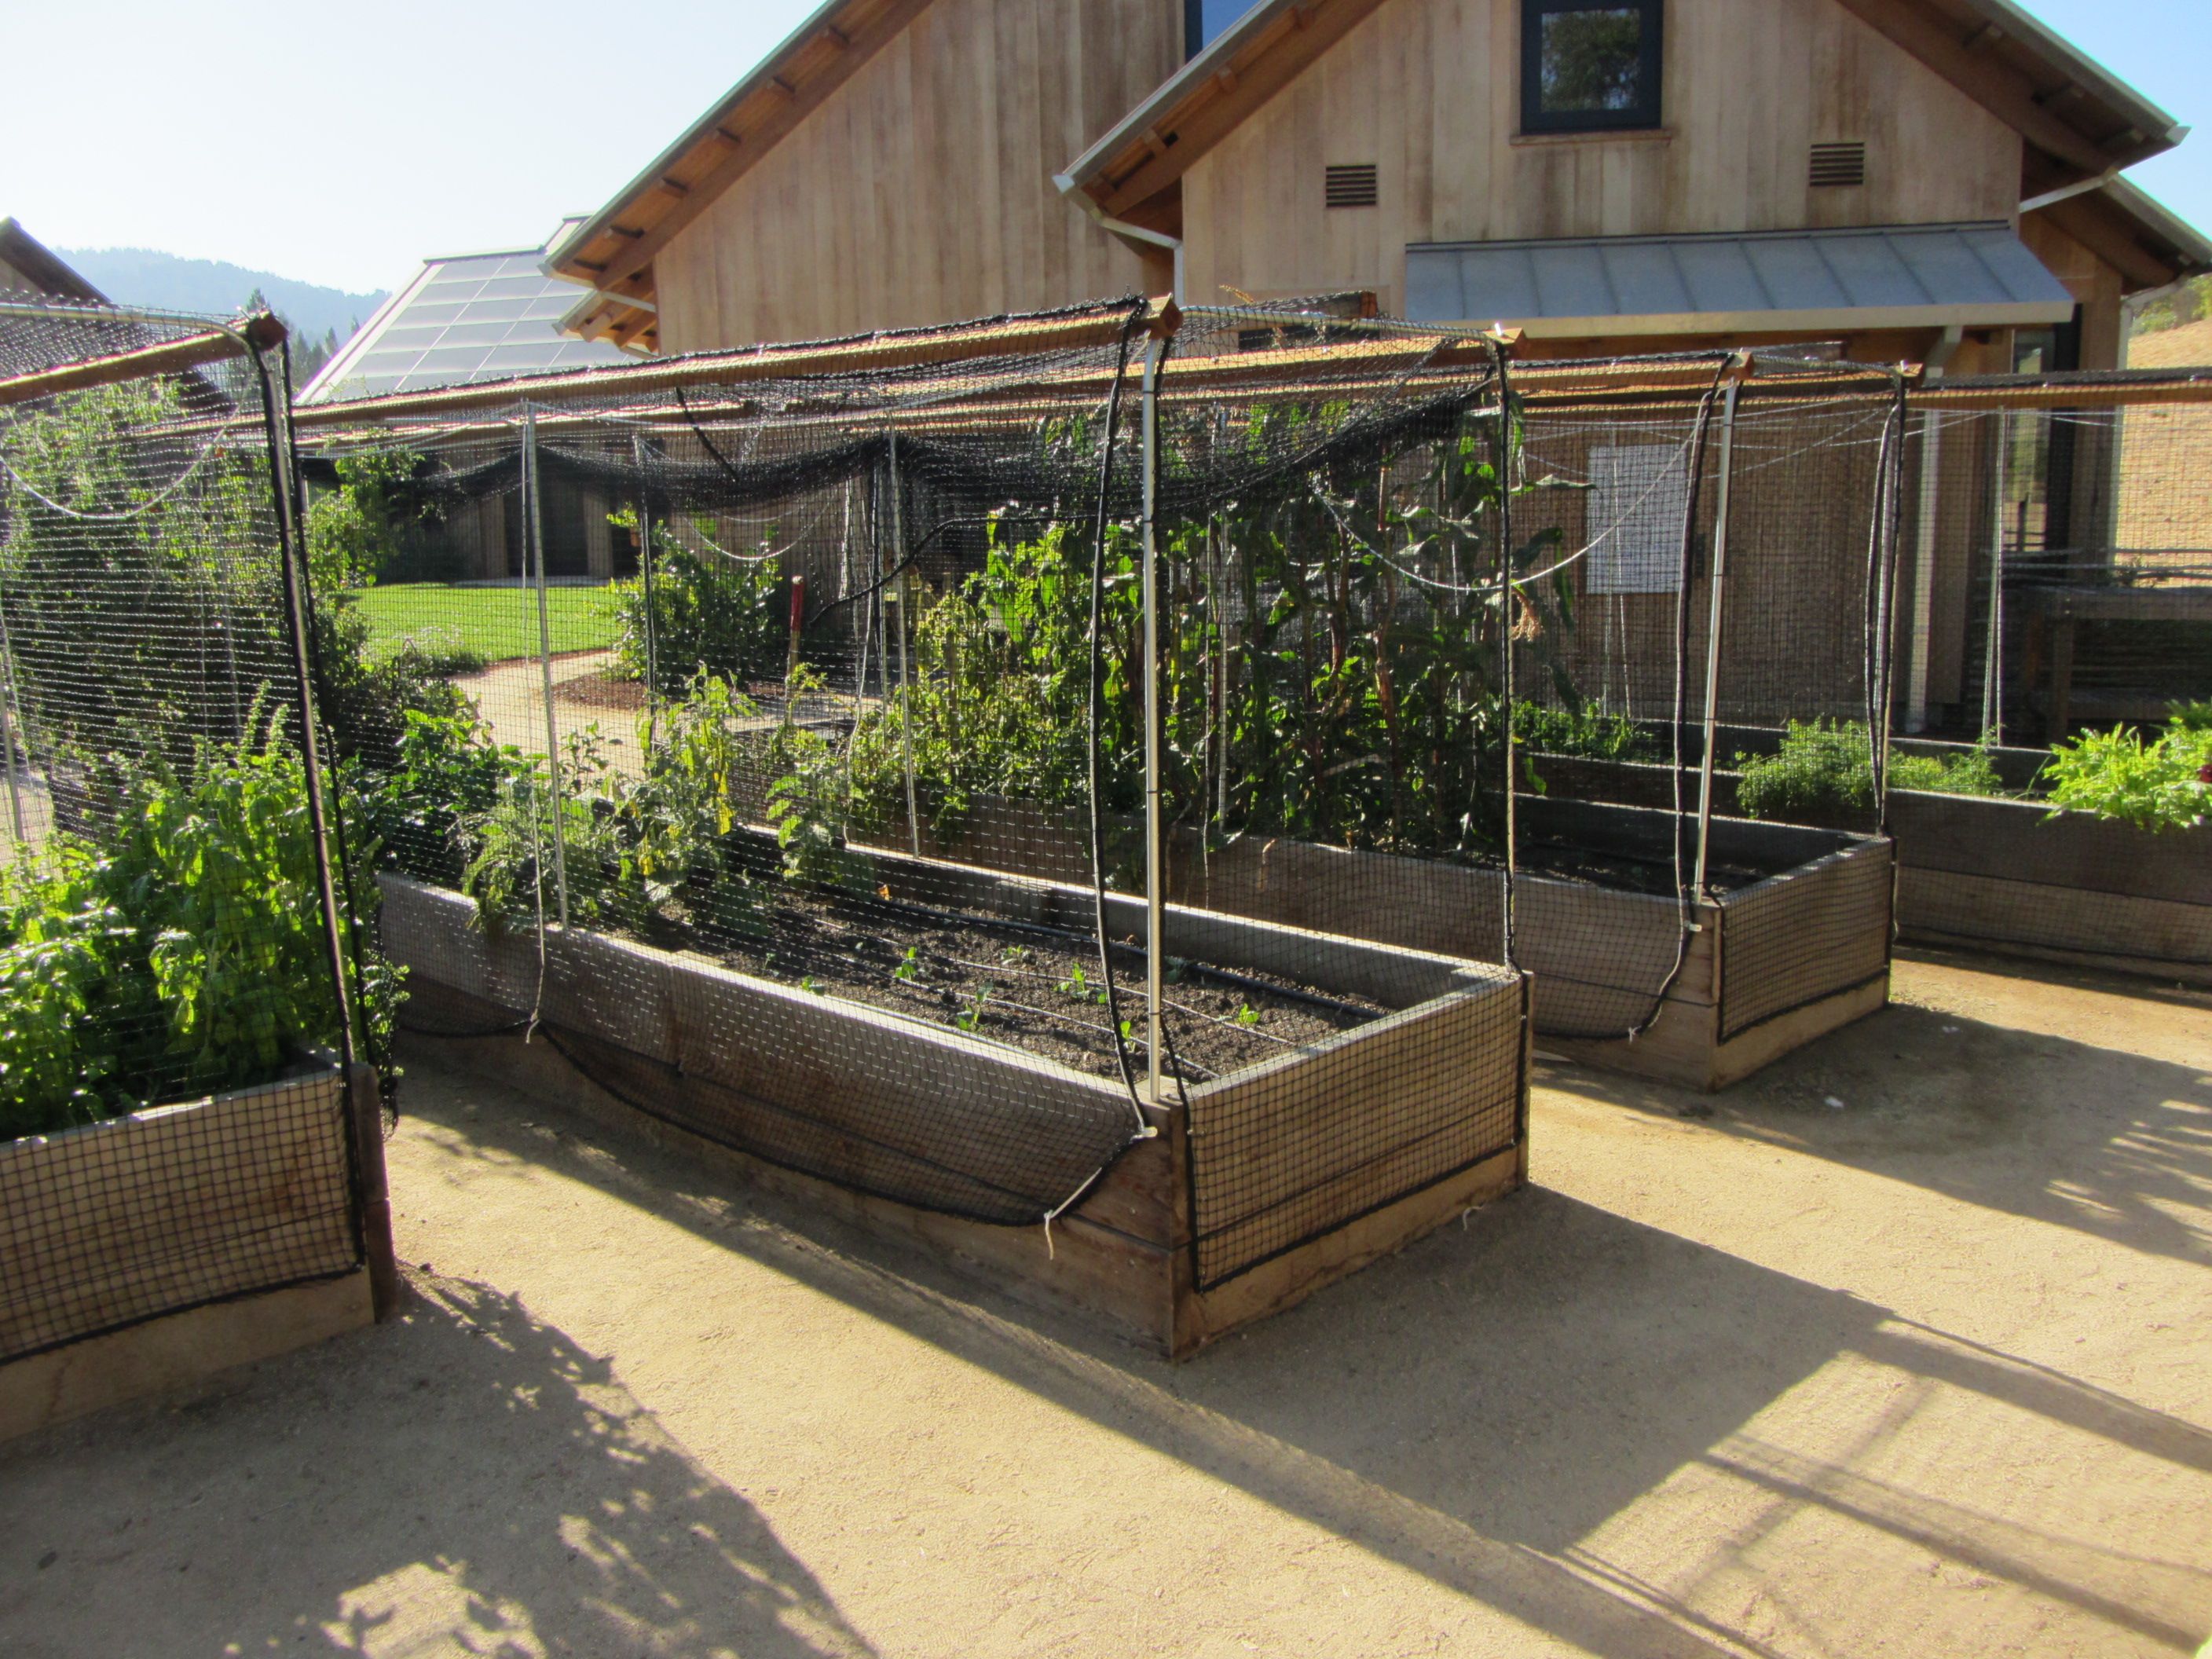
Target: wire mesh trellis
2033	574
865	717
170	925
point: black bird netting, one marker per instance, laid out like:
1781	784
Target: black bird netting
836	681
1944	609
173	1120
926	759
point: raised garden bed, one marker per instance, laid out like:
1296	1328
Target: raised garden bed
1257	1187
1988	874
2006	876
1035	985
1797	944
153	1248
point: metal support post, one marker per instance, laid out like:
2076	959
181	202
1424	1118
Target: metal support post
10	714
1927	527
645	582
1719	585
1155	884
1993	641
533	512
906	690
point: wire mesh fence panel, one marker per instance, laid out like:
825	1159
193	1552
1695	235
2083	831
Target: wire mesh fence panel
2091	523
2054	780
824	739
1334	612
855	792
171	940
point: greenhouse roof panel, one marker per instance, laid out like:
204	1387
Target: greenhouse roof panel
472	317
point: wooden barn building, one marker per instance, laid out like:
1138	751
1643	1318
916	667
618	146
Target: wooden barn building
1936	181
1916	177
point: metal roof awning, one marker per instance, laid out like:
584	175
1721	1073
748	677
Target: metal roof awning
1775	281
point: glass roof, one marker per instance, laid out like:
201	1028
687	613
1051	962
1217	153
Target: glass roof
477	317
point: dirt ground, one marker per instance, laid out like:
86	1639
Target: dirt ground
511	696
1904	1348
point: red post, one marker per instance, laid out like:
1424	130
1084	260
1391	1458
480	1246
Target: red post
798	621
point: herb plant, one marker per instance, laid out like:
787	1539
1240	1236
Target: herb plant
2157	784
174	947
1824	768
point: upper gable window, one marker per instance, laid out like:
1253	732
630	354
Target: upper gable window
1590	65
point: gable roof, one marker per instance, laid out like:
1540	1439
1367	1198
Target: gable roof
25	253
465	318
2147	242
2079	119
611	251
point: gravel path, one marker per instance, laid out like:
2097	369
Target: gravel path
1900	1349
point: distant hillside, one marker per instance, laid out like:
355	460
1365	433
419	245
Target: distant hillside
2187	345
141	276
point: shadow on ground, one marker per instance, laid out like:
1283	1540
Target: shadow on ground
2114	1143
491	1469
1476	1407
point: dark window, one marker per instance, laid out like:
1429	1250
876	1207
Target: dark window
1204	20
1590	65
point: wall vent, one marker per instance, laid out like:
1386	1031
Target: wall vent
1839	167
1353	186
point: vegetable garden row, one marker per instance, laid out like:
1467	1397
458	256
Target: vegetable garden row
1154	776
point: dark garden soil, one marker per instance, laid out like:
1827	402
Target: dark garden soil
601	689
1634	875
1037	989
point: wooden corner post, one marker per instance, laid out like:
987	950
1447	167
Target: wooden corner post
365	1120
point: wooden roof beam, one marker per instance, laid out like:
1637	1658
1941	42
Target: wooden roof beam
169	357
781	112
1276	59
623	331
2092	222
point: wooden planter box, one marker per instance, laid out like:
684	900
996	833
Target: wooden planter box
157	1247
2005	876
1768	969
1276	1180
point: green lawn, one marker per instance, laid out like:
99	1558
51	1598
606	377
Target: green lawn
495	623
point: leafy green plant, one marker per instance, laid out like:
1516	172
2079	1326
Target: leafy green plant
1821	768
367	696
1824	769
1582	730
371	527
971	1017
722	614
1971	773
176	946
179	573
908	971
2155	784
809	802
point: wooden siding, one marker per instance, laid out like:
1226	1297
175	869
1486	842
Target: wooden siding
2097	288
1429	91
921	190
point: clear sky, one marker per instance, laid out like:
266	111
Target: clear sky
342	142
